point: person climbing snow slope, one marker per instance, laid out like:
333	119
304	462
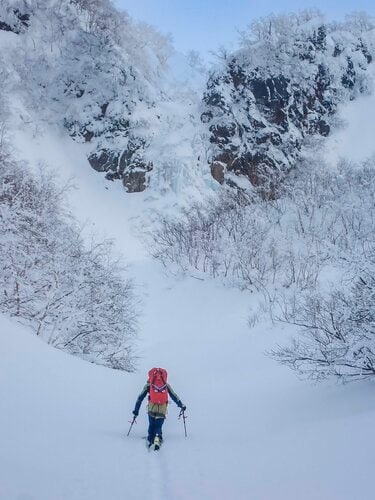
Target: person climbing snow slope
158	390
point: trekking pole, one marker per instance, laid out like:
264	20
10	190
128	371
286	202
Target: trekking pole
132	422
184	417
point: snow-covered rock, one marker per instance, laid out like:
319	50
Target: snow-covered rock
282	85
89	68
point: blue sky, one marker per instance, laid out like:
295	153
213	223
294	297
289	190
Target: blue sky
204	25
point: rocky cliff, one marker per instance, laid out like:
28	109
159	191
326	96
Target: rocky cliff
283	85
84	66
89	68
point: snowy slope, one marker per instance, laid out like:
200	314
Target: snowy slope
255	431
354	140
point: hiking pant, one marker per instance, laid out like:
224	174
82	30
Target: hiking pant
154	427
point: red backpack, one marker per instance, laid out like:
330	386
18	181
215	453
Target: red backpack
158	386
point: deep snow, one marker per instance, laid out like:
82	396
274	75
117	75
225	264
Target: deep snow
255	430
354	139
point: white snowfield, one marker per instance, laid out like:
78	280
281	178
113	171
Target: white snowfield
255	432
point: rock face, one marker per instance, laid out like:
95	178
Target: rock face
125	165
269	96
218	171
14	20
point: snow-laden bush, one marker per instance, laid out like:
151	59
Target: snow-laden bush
248	243
336	320
322	218
223	237
71	294
337	329
322	225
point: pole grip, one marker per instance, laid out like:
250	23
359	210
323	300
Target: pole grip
184	417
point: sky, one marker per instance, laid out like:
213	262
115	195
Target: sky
205	25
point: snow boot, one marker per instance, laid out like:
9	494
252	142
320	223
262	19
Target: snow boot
157	442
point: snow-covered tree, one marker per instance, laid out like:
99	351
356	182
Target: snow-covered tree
88	67
73	295
337	336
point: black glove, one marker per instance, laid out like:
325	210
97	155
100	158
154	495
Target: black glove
183	408
135	414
